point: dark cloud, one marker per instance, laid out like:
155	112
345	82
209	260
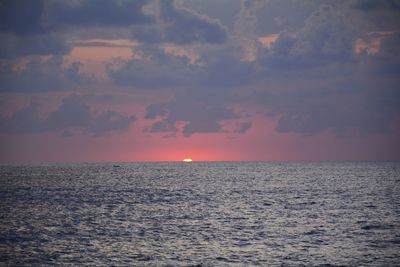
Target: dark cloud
327	37
225	11
371	5
22	121
21	17
311	79
186	26
225	68
39	75
197	116
220	67
155	110
36	27
326	34
384	14
182	26
22	32
339	108
173	24
386	63
247	20
99	13
36	16
163	126
73	114
279	16
243	127
111	121
343	98
12	46
347	91
154	70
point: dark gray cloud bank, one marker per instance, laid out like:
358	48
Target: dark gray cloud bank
202	116
73	115
334	65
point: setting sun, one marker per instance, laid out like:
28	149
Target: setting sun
187	160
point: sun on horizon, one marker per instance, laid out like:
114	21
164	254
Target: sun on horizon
187	160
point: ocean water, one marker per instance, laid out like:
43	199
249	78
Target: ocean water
201	214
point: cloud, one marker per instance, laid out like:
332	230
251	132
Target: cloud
224	67
243	127
315	81
379	14
111	121
38	75
13	46
310	78
181	26
386	62
327	37
38	17
23	33
309	81
73	114
370	5
220	67
171	24
337	107
154	69
22	121
327	34
247	20
21	17
41	27
225	11
100	13
196	116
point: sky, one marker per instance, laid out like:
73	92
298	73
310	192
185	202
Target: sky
211	80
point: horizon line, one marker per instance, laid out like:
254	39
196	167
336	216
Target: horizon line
194	161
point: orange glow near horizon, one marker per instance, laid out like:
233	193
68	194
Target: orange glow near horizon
187	160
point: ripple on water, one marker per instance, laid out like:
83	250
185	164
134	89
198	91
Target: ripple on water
201	214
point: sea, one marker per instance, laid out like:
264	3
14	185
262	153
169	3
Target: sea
201	214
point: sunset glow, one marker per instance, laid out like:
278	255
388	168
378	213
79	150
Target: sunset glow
187	160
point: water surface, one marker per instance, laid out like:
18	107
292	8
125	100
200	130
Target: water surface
204	214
